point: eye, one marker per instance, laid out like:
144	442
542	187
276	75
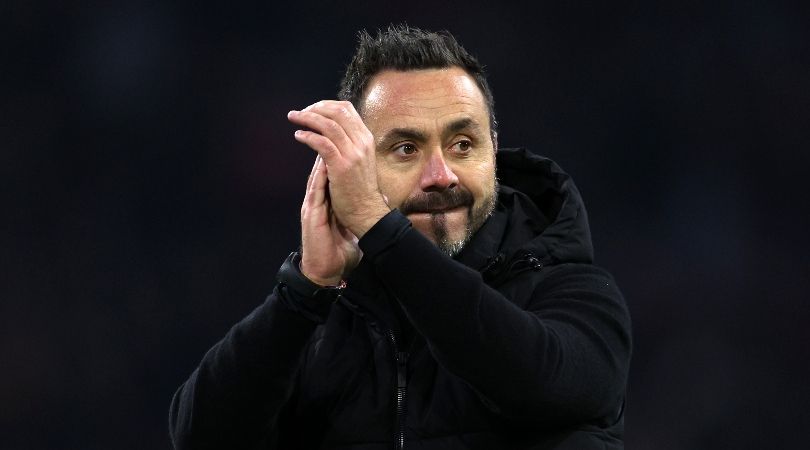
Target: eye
405	149
463	146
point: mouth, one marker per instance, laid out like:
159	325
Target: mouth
440	210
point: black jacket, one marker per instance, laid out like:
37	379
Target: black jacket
518	343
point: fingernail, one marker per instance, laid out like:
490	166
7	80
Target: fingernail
292	113
298	133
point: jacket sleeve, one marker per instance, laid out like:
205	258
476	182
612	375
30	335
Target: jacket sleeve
234	398
563	358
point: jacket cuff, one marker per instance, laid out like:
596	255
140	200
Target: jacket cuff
303	296
384	234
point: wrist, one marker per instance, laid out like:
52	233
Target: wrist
369	220
328	282
290	275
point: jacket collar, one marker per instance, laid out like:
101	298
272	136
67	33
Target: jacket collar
546	201
540	213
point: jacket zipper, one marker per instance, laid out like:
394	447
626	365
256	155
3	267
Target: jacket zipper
401	392
496	273
526	262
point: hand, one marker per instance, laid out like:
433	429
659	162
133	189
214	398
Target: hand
347	147
329	250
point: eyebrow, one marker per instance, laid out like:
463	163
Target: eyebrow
462	124
405	133
419	136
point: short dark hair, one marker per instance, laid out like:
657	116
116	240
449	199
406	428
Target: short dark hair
402	47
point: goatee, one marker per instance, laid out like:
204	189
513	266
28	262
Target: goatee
437	203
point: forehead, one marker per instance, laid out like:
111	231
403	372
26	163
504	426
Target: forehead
429	94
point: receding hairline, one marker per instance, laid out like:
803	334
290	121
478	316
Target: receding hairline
363	98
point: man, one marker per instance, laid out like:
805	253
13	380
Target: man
428	307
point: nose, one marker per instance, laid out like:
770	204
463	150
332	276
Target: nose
437	175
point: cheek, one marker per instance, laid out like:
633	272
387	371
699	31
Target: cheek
395	186
479	180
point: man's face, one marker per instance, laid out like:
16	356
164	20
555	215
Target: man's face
435	156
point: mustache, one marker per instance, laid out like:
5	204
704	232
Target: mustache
433	202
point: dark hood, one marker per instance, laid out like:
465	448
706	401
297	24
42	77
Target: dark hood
540	212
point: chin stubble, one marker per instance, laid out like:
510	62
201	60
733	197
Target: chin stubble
475	219
449	247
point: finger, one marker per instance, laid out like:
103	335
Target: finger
317	188
322	125
314	197
343	113
312	172
325	147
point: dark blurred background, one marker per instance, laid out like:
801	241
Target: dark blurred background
150	188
